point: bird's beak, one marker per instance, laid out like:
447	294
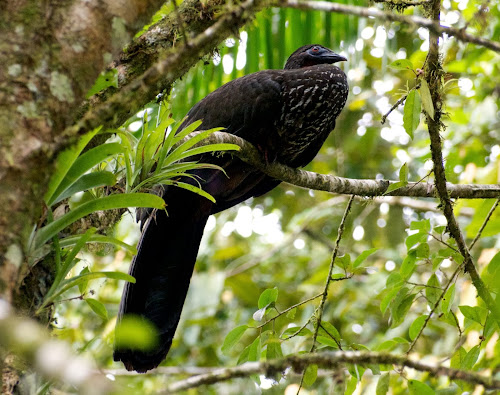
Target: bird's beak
333	57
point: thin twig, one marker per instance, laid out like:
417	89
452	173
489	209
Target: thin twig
288	309
396	105
321	307
486	220
442	242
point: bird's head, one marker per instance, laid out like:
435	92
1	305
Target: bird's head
309	55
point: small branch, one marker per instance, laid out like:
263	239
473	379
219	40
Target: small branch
321	306
433	74
322	182
414	21
396	105
486	220
287	310
442	242
330	360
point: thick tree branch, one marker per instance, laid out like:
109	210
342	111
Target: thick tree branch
330	360
333	184
414	21
173	64
146	49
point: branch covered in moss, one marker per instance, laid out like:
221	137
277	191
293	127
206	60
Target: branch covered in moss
145	50
172	65
433	73
330	360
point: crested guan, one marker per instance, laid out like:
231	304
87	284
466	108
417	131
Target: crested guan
287	114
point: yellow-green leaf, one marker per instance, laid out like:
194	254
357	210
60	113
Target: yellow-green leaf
411	115
426	98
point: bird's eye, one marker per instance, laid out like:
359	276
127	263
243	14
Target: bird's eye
315	49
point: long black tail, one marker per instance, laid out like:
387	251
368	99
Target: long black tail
162	268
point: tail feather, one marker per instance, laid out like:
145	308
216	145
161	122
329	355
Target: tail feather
162	268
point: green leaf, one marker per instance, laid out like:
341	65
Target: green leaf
423	250
426	98
402	64
124	200
408	266
471	358
458	358
344	261
418	388
98	308
291	313
386	345
85	277
88	181
328	329
84	163
472	313
433	290
415	238
232	338
191	188
274	348
360	259
71	240
412	110
64	162
291	331
82	287
448	299
490	326
310	375
403	180
69	261
403	173
351	386
383	384
423	225
327	341
494	265
388	298
416	326
267	297
105	80
251	352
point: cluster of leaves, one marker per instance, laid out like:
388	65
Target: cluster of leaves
128	167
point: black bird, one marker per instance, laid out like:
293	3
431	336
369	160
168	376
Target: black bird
287	114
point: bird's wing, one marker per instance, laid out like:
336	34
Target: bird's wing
245	107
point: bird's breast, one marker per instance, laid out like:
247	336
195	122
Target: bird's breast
312	99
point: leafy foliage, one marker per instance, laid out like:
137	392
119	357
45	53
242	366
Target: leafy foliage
404	291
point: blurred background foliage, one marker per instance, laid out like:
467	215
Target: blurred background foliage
285	238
